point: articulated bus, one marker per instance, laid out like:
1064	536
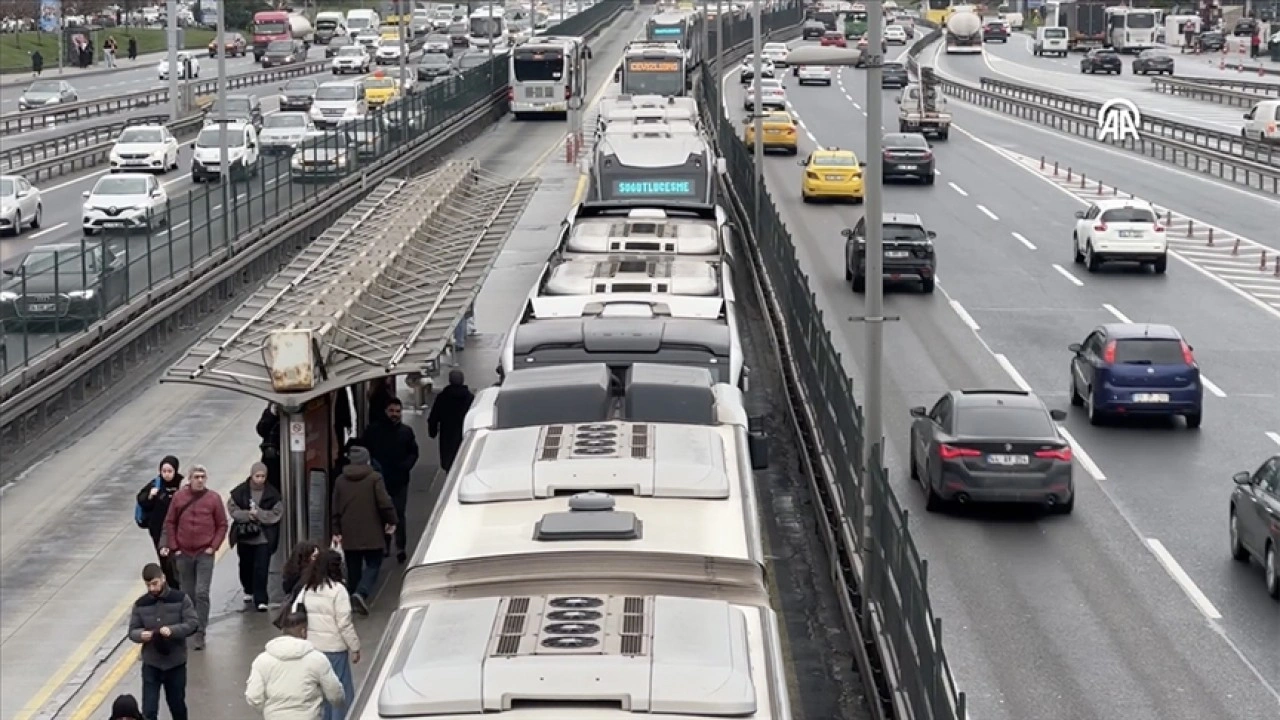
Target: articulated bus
546	73
680	28
1131	30
654	69
937	11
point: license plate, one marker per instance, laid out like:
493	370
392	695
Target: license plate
1131	233
906	167
1008	460
771	131
42	307
896	253
1150	398
835	178
112	223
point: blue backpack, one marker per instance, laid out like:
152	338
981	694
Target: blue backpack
140	516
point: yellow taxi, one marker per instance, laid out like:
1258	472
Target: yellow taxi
391	35
832	174
379	89
779	132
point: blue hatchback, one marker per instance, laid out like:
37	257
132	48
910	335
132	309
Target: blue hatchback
1136	369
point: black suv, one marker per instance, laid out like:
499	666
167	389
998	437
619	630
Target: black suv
814	30
1101	60
908	251
995	30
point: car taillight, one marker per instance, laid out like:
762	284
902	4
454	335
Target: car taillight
568	93
790	131
1187	356
1109	353
1159	228
927	156
1063	454
511	94
951	452
811	175
1100	227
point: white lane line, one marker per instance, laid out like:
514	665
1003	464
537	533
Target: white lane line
1181	577
48	230
1024	241
1013	372
1082	456
1067	274
1211	386
958	189
988	213
1119	315
1275	437
964	315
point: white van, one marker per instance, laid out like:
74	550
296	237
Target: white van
1262	122
1050	41
242	151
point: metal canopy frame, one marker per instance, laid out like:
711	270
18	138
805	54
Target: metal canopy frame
381	291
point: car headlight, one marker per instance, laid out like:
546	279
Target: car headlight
6	296
157	154
53	100
82	294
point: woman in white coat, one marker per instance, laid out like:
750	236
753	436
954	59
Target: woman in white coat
291	680
329	625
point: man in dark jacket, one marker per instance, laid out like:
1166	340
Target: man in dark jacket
194	529
362	516
154	499
268	430
395	449
161	622
447	414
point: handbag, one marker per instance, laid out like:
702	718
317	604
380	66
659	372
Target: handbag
296	605
245	530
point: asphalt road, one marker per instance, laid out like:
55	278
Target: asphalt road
1075	617
1013	62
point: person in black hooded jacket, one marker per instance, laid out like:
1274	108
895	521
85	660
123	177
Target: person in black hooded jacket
154	499
446	417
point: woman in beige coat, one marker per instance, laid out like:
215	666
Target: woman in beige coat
329	625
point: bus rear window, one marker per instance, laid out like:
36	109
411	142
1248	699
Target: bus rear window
549	68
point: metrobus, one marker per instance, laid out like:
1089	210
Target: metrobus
680	28
546	73
654	69
488	27
1131	29
938	11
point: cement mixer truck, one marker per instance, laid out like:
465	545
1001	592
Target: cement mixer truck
272	25
964	32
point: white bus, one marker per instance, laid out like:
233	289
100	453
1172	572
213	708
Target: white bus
1131	30
488	27
546	74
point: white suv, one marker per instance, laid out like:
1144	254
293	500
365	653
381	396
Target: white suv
1120	230
350	59
125	201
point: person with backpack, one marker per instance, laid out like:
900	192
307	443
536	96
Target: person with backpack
255	509
152	507
194	529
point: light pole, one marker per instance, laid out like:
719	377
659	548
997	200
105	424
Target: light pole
224	165
757	110
401	91
171	10
872	191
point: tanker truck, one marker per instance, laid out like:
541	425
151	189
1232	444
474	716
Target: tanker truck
272	25
964	32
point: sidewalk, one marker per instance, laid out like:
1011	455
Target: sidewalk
71	73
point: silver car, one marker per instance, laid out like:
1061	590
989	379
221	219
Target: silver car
43	93
20	205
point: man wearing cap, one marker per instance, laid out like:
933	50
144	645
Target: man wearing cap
363	515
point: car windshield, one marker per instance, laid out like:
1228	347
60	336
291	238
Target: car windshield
1128	215
835	161
141	135
768	84
280	46
894	67
1055	33
778	118
434	59
351	51
43	86
235	106
1003	422
382	83
437	39
210	137
340	42
1150	351
8	188
300	85
1153	55
69	261
285	120
904	233
911	142
336	92
121	185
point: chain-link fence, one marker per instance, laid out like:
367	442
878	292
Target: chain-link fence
894	579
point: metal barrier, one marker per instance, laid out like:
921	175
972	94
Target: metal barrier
12	158
900	648
151	282
1263	88
1216	93
99	153
17	122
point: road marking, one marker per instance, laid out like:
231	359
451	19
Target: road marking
1119	315
1181	577
958	189
1211	386
1013	372
988	213
48	230
1082	456
1067	274
964	315
1275	437
1024	241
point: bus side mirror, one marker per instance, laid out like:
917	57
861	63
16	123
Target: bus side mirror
722	167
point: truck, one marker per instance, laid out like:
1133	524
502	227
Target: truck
1086	23
330	25
923	109
272	25
964	33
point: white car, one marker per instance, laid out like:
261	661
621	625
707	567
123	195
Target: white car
145	148
369	42
819	74
1263	119
283	132
747	71
895	35
350	59
772	95
126	201
186	61
388	53
20	204
1120	230
777	53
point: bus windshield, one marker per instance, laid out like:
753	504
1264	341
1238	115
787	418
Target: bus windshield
653	77
665	33
538	66
272	27
485	27
1141	21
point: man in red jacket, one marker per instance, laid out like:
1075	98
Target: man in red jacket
194	529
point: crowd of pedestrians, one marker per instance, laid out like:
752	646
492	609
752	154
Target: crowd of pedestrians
307	672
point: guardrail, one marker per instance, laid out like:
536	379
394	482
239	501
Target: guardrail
1203	91
86	157
1233	146
12	158
1264	88
16	122
898	639
202	253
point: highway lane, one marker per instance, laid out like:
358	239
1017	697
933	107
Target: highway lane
1077	598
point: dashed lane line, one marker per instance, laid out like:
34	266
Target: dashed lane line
1067	274
1118	315
1019	237
958	189
1180	576
1275	437
988	213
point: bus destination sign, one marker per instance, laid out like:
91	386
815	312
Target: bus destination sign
653	66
